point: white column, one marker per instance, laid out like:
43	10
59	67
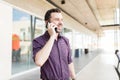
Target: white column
5	41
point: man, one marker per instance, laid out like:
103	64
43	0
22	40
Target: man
51	51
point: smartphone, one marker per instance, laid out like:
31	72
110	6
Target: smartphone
55	28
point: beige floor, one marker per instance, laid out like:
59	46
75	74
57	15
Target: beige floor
100	68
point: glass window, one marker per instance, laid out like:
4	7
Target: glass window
21	40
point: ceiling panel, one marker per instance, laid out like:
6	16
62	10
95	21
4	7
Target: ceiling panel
79	10
106	14
104	10
95	13
102	4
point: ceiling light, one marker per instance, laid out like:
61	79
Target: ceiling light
62	1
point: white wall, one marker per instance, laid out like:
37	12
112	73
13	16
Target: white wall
5	41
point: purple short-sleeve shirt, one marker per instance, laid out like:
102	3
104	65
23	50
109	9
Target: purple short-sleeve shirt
56	66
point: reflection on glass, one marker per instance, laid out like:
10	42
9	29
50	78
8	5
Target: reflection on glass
21	41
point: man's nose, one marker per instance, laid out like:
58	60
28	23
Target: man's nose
61	22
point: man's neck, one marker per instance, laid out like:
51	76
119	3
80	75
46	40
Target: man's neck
57	36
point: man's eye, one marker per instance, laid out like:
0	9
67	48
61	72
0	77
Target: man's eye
57	19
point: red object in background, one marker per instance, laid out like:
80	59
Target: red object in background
15	42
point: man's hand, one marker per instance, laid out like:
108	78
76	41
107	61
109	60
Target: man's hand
51	29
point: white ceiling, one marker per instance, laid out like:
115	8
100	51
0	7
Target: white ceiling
91	13
104	10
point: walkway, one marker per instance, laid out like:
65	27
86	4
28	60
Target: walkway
100	68
92	66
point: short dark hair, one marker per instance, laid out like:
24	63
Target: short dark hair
48	13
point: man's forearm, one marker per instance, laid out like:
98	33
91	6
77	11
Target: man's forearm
72	71
44	53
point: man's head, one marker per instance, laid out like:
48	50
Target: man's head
54	16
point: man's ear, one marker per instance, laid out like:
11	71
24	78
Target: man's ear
46	21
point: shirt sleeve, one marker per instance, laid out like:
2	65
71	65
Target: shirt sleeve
69	54
36	46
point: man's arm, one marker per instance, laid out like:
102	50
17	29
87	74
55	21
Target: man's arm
43	54
72	71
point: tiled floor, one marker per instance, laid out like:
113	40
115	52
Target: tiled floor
92	66
101	68
83	60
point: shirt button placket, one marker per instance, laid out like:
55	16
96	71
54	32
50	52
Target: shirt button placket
59	51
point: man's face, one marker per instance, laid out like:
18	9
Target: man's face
57	19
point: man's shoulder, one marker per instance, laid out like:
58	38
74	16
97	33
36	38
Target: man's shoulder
38	39
65	38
